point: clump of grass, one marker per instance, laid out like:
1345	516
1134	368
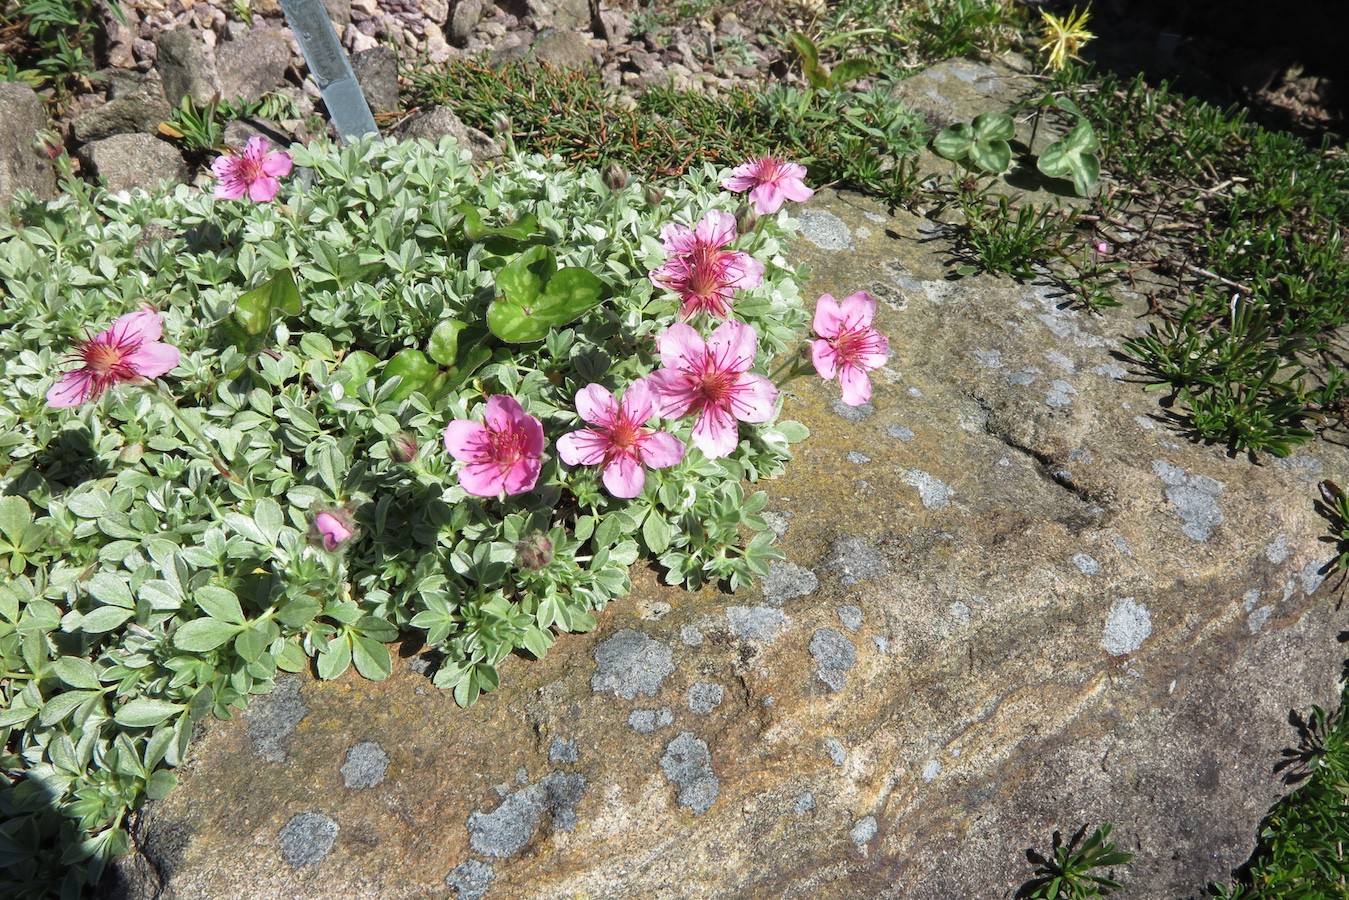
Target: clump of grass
49	44
857	139
1076	870
1247	225
1303	840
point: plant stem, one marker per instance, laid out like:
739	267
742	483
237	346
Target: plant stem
194	434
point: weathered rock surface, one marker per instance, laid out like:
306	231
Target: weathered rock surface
127	161
1014	602
434	123
22	167
253	64
187	66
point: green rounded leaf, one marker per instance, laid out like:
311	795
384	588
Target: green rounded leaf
355	368
953	142
145	711
78	673
414	368
104	619
993	127
443	347
201	635
371	657
992	156
219	603
335	658
566	295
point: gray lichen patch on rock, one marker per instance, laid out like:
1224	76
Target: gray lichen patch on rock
562	752
704	697
1086	564
687	763
365	765
470	879
786	581
1194	498
933	493
273	718
854	560
825	230
837	754
507	829
307	838
902	432
645	721
758	623
834	655
862	832
1126	627
850	616
631	663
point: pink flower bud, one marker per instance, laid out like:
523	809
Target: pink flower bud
403	447
332	528
534	552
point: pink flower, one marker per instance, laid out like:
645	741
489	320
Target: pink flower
332	528
712	380
620	444
848	344
253	172
700	271
502	453
128	351
769	182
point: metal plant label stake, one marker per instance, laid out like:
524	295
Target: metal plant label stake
330	67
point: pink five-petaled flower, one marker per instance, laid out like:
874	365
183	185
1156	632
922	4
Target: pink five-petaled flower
769	182
128	351
501	453
253	172
619	442
712	380
848	344
332	528
700	271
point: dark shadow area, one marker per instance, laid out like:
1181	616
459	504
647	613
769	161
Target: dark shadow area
1285	61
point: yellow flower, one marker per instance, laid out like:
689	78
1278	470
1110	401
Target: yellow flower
1064	37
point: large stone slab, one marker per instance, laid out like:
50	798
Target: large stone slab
1014	602
22	166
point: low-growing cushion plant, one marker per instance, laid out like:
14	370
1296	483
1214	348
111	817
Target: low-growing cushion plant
402	397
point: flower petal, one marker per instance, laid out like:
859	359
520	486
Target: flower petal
263	188
717	229
153	359
733	346
753	398
624	477
767	198
829	317
596	405
482	479
744	271
795	189
715	433
855	384
858	309
72	389
523	475
639	402
586	447
681	348
466	440
660	449
143	325
503	411
825	358
673	392
277	164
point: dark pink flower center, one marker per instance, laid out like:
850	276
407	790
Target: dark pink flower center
625	434
105	360
250	168
853	344
507	447
716	386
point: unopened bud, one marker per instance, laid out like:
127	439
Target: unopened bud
746	217
534	552
654	196
615	177
403	447
500	124
332	528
